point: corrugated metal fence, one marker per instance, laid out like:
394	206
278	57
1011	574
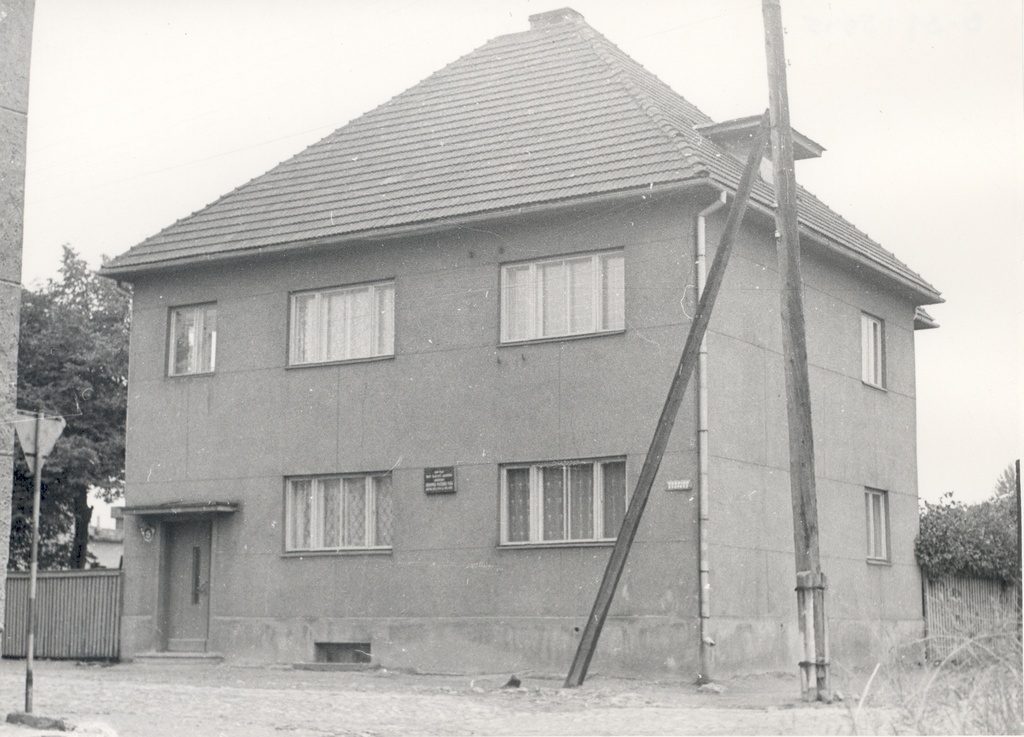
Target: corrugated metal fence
959	609
78	615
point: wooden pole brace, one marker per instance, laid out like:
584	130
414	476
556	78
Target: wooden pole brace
652	462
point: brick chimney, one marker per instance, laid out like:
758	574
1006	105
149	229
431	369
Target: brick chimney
558	17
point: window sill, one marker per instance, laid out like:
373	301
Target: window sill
879	562
559	338
367	359
196	375
339	552
549	544
873	386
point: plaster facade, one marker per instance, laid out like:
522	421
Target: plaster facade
15	52
864	436
449	596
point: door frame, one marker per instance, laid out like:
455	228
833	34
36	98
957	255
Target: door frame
163	612
153	522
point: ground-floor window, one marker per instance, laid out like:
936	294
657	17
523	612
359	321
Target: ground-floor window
351	511
562	501
877	508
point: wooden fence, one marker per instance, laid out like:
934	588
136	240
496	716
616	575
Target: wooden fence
958	609
78	615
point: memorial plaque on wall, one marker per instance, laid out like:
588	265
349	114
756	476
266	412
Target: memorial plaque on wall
439	480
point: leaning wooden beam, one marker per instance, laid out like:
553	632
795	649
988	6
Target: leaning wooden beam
631	522
810	581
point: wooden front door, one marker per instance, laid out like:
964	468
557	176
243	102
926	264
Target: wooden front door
187	592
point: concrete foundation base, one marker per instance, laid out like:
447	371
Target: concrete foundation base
641	646
629	647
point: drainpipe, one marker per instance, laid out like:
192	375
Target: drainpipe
704	593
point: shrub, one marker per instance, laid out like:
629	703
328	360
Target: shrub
971	539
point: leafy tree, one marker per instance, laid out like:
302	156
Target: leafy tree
72	361
972	539
1006	484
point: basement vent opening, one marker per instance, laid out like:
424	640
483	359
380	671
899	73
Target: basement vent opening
342	652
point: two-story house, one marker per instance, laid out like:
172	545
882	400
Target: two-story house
392	396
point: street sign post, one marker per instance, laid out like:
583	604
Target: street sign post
37	435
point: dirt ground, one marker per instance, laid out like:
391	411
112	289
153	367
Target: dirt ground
178	700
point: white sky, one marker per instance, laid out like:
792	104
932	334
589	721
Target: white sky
143	112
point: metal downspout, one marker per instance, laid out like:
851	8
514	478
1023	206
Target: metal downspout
704	593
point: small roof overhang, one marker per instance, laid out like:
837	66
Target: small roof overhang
183	509
924	321
743	130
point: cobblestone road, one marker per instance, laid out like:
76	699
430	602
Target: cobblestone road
147	700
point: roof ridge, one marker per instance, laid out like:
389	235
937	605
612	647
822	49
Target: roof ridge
644	102
547	114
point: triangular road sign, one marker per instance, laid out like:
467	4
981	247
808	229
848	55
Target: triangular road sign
50	429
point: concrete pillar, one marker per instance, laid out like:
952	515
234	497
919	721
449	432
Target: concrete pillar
15	50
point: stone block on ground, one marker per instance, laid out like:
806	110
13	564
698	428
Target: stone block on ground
37	722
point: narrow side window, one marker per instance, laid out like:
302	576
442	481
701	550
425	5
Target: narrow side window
877	511
872	335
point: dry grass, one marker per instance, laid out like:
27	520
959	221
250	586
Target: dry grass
977	688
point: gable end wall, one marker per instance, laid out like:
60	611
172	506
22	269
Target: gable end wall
863	437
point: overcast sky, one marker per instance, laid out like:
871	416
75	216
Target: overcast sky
143	112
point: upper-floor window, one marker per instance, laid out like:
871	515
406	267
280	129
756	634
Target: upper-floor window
338	512
877	508
563	501
872	350
192	344
343	324
574	295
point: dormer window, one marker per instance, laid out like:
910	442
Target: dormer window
737	136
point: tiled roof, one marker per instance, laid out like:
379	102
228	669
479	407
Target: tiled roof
547	115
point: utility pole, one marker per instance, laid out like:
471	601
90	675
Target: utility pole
814	668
